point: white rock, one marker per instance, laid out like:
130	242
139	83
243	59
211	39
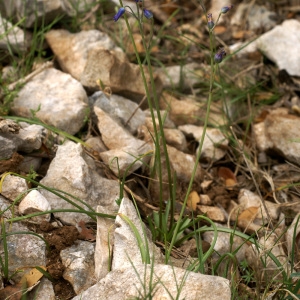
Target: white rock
224	246
30	163
96	144
259	258
23	250
122	144
12	37
168	123
9	126
122	161
279	132
78	261
214	138
133	283
8	147
175	138
27	139
213	212
72	171
257	16
181	112
126	251
69	47
31	137
287	37
5	212
75	7
32	13
120	76
114	135
174	76
104	244
292	233
183	164
119	108
13	186
248	199
33	202
62	101
44	290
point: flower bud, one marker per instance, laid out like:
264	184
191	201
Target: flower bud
210	22
148	14
225	9
119	14
219	55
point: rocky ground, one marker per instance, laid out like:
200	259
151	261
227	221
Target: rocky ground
75	122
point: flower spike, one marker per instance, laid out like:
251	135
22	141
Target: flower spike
119	14
148	14
225	9
220	55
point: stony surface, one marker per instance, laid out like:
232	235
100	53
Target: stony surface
13	186
78	261
74	172
70	47
33	202
27	138
119	108
81	94
214	143
62	102
23	250
126	250
278	133
13	37
104	244
117	285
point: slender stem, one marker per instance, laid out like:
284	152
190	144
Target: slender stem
157	161
161	127
212	77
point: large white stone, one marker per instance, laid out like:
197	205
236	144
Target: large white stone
58	98
72	171
33	202
136	281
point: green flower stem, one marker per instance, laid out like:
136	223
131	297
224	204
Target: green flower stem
161	125
156	133
212	78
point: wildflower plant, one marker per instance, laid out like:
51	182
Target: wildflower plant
142	14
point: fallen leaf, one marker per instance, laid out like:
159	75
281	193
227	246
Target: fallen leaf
14	292
34	276
86	234
246	218
193	200
228	176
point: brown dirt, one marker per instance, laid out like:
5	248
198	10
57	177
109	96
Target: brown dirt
59	239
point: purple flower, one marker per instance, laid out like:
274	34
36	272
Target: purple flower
138	1
119	14
210	22
220	55
225	9
148	14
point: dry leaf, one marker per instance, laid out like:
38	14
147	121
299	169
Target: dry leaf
193	200
86	233
246	218
13	292
228	176
34	276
